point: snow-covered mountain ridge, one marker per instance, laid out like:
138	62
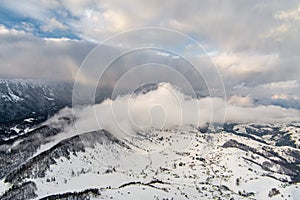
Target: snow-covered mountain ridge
237	161
152	144
26	103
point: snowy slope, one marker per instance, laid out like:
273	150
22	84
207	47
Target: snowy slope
189	165
147	153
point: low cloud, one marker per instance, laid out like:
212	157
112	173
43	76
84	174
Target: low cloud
242	101
166	108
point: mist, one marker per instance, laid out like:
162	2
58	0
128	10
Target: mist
166	108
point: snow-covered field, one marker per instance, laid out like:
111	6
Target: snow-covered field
173	164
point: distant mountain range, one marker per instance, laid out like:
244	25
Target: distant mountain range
21	99
25	103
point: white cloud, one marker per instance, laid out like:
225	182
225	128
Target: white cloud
162	54
282	85
245	63
242	101
286	31
252	42
286	97
10	32
167	108
52	24
115	21
284	93
293	14
26	26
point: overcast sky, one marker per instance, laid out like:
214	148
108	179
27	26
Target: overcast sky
255	45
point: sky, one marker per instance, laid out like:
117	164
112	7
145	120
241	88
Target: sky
250	49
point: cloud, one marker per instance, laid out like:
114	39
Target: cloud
282	93
256	68
287	30
291	84
229	25
166	107
25	56
31	8
52	24
244	63
285	97
253	43
6	32
242	101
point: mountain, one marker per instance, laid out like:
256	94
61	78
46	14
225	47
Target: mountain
32	98
234	161
145	88
65	154
25	103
